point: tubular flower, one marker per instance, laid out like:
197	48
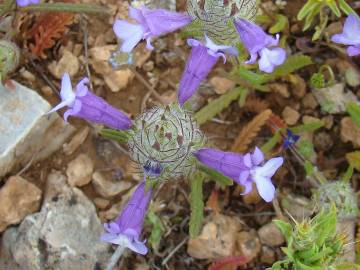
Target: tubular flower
24	3
126	229
244	169
257	42
151	23
202	59
350	35
84	104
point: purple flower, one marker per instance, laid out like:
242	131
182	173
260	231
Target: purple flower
151	23
199	64
84	104
350	35
24	3
290	139
126	229
244	169
257	42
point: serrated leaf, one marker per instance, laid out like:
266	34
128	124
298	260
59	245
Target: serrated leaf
354	111
354	159
217	105
281	23
116	135
196	203
307	127
219	178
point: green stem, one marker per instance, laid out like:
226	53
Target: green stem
66	7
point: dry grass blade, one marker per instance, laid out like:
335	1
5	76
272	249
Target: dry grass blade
248	133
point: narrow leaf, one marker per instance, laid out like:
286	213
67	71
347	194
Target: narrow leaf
231	261
66	7
307	127
354	159
345	7
270	144
354	111
116	135
196	203
219	178
280	24
217	105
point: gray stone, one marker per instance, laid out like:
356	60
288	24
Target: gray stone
63	235
25	131
270	235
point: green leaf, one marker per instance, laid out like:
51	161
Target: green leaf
285	228
306	9
196	203
292	64
308	127
345	7
309	168
354	159
270	144
347	266
219	178
306	148
157	229
281	23
217	105
348	174
66	7
334	8
121	136
354	111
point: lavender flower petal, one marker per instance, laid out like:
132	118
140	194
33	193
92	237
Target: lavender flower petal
198	66
150	24
257	157
126	229
227	163
86	105
257	42
270	167
270	58
131	34
23	3
353	50
351	32
265	188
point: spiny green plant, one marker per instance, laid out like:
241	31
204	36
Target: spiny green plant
312	244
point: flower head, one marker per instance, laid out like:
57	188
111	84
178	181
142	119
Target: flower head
257	42
199	64
84	104
151	23
24	3
126	229
244	169
350	35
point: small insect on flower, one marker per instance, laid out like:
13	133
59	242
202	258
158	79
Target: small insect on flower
202	59
350	35
126	229
24	3
151	23
84	104
244	169
257	42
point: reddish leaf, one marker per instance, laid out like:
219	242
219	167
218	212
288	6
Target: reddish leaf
231	261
